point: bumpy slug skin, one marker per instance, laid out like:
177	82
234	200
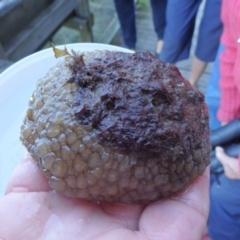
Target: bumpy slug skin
117	127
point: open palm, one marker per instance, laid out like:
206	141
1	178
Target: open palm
31	210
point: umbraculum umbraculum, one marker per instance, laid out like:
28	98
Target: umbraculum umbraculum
117	127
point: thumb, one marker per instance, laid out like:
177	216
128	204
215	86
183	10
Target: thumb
222	156
27	178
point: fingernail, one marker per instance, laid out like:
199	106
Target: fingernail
218	148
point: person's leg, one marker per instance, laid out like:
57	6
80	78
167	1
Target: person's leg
159	47
126	15
180	18
224	216
212	95
159	20
198	67
208	39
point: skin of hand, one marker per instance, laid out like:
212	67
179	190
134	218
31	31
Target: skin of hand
230	164
31	210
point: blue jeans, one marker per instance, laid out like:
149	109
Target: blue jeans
180	16
126	15
224	216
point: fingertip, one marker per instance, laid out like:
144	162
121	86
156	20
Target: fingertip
219	149
220	154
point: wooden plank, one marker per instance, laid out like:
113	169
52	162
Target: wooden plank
83	12
7	6
75	23
40	29
105	21
110	31
18	15
82	26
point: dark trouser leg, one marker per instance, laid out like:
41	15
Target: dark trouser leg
180	16
210	31
159	16
126	14
224	216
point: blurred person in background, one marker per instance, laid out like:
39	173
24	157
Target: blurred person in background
224	217
180	18
126	15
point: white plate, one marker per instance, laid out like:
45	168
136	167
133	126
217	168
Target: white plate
16	85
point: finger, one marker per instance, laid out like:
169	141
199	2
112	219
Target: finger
27	178
198	193
184	217
22	215
222	156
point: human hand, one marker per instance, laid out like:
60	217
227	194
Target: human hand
224	123
31	210
230	164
